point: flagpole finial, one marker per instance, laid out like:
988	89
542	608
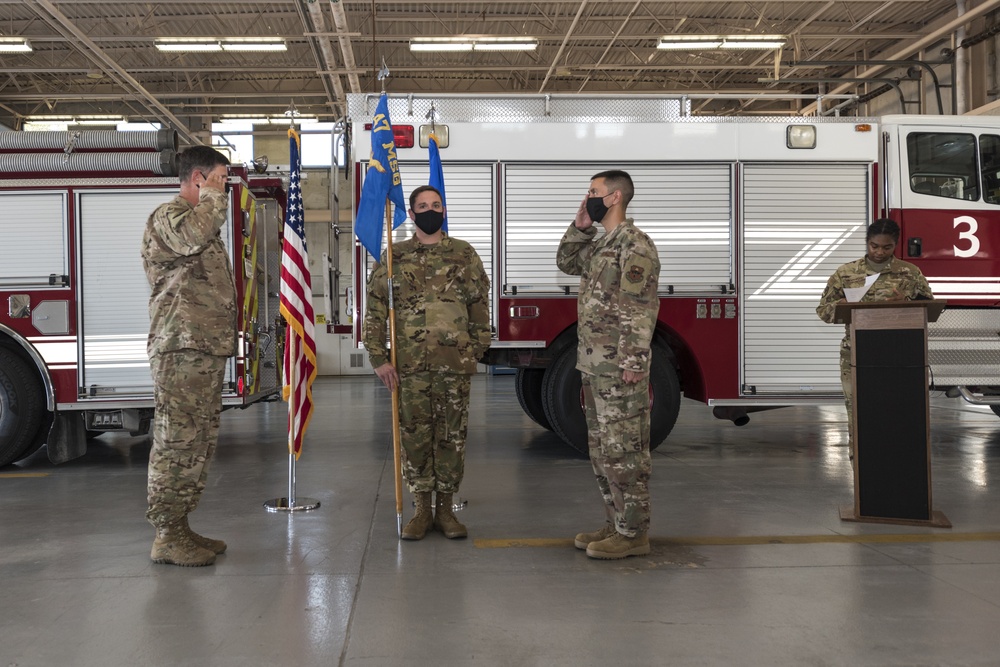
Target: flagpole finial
432	116
383	73
291	113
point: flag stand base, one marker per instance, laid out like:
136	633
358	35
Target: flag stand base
299	505
291	503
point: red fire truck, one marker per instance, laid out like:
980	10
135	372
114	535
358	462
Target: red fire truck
750	217
75	318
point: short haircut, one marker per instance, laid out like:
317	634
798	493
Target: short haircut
618	181
883	226
422	189
199	158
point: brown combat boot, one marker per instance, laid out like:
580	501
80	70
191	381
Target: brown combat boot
583	540
174	546
444	518
619	546
417	527
215	546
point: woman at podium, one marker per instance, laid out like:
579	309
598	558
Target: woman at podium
878	276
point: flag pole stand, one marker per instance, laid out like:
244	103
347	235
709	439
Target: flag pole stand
291	503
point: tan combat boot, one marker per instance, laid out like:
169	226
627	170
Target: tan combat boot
174	546
583	540
417	527
444	518
215	546
619	546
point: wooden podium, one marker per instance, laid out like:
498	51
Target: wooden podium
892	456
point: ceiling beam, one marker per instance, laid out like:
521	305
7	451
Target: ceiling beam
48	12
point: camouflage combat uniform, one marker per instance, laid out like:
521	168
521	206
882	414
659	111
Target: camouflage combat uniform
898	277
192	312
441	297
617	310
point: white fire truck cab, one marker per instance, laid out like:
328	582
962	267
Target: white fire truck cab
74	316
750	217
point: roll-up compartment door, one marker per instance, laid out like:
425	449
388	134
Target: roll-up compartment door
800	222
685	209
114	312
32	238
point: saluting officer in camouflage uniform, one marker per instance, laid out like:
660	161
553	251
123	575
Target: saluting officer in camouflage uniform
897	281
442	328
617	309
192	312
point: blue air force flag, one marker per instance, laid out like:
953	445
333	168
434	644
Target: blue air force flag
382	180
436	179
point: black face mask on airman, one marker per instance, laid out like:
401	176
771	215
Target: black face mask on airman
596	208
429	222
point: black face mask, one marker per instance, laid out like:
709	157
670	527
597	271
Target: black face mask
429	222
596	208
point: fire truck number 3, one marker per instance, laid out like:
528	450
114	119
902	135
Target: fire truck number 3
967	235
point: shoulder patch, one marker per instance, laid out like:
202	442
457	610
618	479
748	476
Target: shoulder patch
635	273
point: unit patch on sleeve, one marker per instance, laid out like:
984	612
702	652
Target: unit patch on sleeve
637	270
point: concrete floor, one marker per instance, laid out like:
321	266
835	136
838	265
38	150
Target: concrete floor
726	583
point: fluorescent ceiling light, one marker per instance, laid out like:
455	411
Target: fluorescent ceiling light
505	44
714	42
440	44
188	44
748	44
98	119
689	45
454	44
14	45
253	44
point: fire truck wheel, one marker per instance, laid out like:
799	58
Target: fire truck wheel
22	407
666	395
562	400
528	384
564	405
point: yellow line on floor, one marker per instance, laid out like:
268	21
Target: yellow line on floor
751	540
10	475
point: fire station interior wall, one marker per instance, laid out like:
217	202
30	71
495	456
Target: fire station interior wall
801	222
114	312
684	208
28	218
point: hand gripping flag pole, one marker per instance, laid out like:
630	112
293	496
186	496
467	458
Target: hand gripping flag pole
300	345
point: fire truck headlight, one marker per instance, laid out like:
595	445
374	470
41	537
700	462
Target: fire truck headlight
801	136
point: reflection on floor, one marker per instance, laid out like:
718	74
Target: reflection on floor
750	563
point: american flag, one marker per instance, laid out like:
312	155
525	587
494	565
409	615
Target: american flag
297	309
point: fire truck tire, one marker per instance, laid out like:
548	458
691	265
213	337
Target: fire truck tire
561	399
995	409
563	402
528	384
666	388
22	407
